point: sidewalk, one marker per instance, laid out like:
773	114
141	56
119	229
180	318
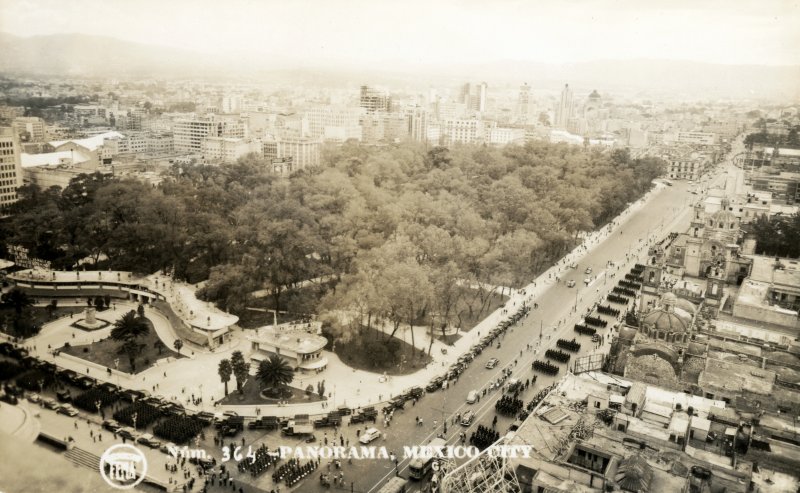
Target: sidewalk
197	375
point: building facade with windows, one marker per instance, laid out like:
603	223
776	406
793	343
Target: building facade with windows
10	168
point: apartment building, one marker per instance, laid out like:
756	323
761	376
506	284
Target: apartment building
189	133
227	149
30	129
303	151
462	131
10	168
334	123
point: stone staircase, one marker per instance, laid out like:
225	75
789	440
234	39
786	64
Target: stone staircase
81	457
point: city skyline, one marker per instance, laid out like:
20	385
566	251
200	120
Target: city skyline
417	34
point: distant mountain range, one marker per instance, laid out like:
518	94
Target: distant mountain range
82	55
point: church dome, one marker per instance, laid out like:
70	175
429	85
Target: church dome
664	319
686	306
594	95
723	219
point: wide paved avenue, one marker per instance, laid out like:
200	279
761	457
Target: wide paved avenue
667	210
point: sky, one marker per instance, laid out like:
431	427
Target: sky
381	32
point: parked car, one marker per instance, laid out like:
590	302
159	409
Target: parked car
570	283
472	397
49	403
111	425
588	270
205	417
63	396
369	435
492	363
595	337
434	384
413	393
129	433
467	418
34	398
149	440
68	410
85	383
68	376
167	446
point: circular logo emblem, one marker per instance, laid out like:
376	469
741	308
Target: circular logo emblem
123	466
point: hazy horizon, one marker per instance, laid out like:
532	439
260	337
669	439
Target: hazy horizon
358	33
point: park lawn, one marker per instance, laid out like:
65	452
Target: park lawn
373	351
40	314
104	352
251	394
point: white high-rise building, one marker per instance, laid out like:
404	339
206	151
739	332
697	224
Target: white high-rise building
564	112
190	132
10	168
524	102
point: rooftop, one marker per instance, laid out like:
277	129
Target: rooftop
52	158
735	377
297	341
91	143
764	271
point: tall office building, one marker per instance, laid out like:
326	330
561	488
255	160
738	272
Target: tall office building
564	112
10	168
474	100
524	102
375	100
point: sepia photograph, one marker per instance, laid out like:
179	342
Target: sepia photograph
384	246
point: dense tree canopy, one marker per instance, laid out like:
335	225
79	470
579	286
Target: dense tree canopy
777	235
393	228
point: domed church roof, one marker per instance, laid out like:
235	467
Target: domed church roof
664	318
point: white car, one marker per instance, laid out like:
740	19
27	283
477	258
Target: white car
570	283
369	435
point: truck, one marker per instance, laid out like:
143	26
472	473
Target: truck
264	423
294	427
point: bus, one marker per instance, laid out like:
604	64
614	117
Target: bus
419	467
394	485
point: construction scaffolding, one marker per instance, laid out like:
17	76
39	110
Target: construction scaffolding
486	472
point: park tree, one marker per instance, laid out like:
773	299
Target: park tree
128	330
240	369
17	299
273	374
178	345
225	370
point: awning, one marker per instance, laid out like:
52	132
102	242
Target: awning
314	364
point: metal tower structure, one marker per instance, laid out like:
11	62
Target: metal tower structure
486	472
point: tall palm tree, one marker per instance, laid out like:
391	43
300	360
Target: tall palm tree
129	327
240	369
225	371
274	373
